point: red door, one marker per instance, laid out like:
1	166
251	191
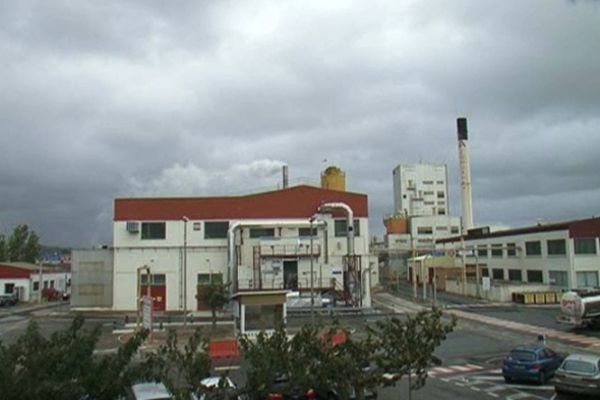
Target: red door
159	296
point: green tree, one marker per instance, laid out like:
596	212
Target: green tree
216	296
63	366
180	368
3	250
23	245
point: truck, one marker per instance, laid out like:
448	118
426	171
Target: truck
580	309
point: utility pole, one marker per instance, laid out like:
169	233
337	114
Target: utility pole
41	282
414	266
312	297
185	221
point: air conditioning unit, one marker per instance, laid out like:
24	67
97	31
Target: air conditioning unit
133	226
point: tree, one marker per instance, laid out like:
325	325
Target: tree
63	366
3	250
23	245
180	369
216	296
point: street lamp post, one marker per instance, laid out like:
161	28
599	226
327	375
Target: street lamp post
312	297
185	221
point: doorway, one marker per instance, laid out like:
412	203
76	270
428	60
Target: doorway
290	274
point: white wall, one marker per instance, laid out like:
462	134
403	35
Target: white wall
419	173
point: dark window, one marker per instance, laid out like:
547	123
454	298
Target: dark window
45	284
306	232
262	232
9	287
534	276
557	247
424	230
485	272
52	284
154	230
340	228
440	195
207	279
511	249
496	250
441	211
498	273
216	229
533	248
585	246
515	275
36	286
454	229
197	226
427	182
157	280
482	251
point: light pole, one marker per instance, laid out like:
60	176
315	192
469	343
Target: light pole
185	221
312	297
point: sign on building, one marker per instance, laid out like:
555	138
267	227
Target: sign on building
486	283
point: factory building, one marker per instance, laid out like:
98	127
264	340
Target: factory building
261	243
564	255
420	189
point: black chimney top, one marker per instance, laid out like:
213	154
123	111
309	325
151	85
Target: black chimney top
461	124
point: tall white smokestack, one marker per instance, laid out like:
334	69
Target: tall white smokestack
465	175
285	176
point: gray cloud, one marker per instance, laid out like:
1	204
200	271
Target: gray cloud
110	99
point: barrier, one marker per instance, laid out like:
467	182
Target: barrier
224	349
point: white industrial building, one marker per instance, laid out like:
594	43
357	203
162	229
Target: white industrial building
564	255
261	243
421	189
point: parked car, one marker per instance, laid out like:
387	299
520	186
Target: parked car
533	362
8	299
148	391
579	374
213	382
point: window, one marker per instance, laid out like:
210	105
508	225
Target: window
441	228
585	246
496	250
340	228
482	251
216	229
485	272
535	276
556	247
157	280
9	288
207	279
587	279
45	284
440	195
427	182
533	248
52	284
440	182
498	273
257	233
511	249
429	203
424	230
36	286
454	229
154	230
515	275
558	278
441	203
428	193
441	211
197	226
306	232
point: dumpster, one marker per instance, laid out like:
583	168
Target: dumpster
540	298
528	298
550	297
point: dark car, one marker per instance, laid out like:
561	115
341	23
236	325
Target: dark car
8	299
532	363
579	374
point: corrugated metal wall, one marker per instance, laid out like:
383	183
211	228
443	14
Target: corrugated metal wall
92	278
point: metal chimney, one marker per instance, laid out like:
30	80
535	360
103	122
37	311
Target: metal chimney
285	176
465	174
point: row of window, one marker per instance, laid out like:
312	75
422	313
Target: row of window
555	247
218	230
557	278
160	279
428	230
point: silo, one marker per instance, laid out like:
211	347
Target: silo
333	178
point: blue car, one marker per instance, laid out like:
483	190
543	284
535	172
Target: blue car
531	363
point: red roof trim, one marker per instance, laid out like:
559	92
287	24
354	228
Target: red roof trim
296	202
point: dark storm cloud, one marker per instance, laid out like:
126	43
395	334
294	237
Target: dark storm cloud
107	99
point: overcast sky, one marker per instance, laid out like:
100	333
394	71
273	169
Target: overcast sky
105	99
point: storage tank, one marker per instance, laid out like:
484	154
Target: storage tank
396	225
580	309
333	178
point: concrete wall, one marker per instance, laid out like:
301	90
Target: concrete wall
497	292
92	278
